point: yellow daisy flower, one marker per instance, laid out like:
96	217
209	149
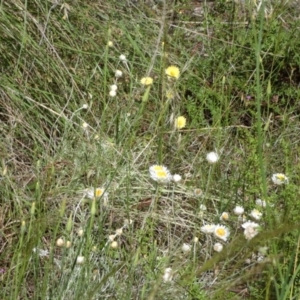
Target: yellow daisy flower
173	72
180	122
146	81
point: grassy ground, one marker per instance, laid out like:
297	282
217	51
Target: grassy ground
64	134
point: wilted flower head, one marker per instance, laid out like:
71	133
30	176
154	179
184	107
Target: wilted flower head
167	277
218	247
242	218
122	57
186	248
279	179
173	72
250	224
198	192
146	81
221	232
114	245
261	203
203	207
113	87
208	228
80	232
170	94
60	242
212	157
68	244
85	125
118	73
112	93
256	214
119	231
176	178
112	237
250	229
80	260
238	210
180	122
224	216
160	174
40	252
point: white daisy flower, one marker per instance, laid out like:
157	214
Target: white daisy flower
221	232
238	210
208	228
92	193
160	174
218	247
279	179
212	157
256	214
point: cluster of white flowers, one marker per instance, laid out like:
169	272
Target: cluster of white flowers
161	174
250	229
111	238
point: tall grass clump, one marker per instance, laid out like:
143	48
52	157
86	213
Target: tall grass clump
149	150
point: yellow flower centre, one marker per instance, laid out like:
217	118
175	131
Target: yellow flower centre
221	232
158	168
161	174
98	192
281	177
